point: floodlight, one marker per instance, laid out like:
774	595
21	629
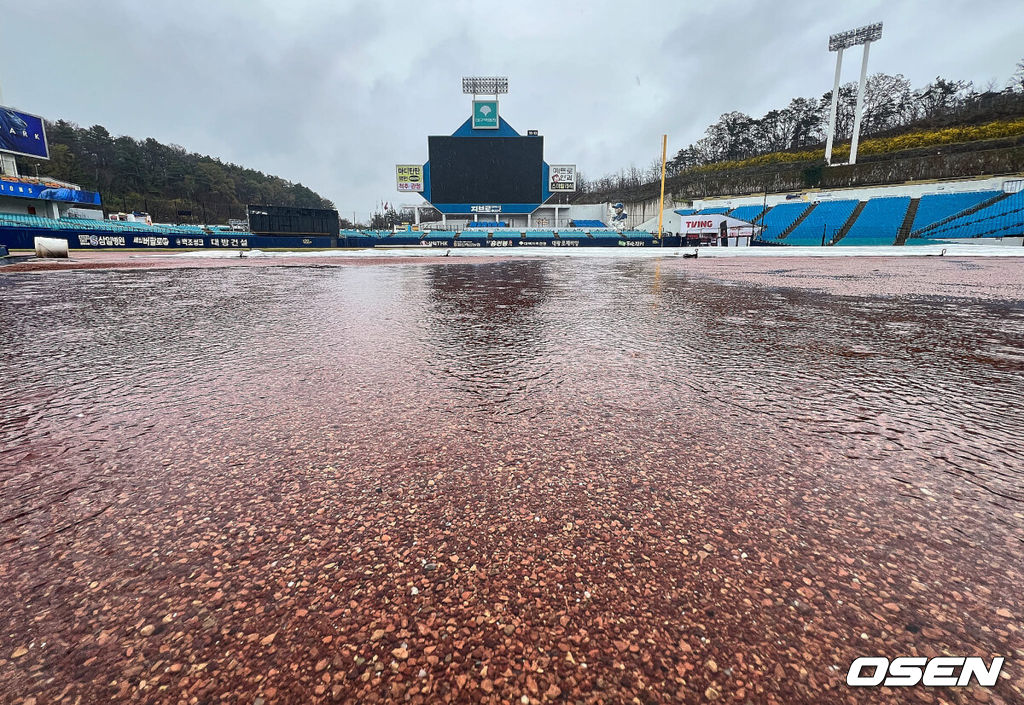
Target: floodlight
853	37
484	85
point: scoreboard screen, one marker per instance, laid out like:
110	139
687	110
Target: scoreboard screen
486	169
289	220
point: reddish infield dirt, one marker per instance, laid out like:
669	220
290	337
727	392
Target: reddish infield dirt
961	277
968	277
122	260
517	482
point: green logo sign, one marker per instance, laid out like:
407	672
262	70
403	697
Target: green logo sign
485	114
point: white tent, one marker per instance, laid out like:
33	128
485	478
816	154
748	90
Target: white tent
723	229
674	222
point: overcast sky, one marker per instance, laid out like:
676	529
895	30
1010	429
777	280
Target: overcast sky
334	94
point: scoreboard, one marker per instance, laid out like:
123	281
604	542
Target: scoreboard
472	170
289	220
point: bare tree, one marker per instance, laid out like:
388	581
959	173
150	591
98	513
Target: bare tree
653	171
888	103
1017	81
941	97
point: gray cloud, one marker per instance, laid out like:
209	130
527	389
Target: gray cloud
333	94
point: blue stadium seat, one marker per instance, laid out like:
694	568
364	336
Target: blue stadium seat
1005	217
747	213
827	217
937	206
780	217
879	222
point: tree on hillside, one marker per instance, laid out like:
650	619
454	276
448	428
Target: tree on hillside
730	138
941	97
806	119
772	132
161	179
1017	80
888	103
684	159
385	219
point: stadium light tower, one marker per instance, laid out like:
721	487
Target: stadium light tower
837	42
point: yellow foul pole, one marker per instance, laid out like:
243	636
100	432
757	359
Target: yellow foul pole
661	203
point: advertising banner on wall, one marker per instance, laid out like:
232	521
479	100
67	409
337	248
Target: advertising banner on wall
485	114
562	177
48	192
22	133
410	177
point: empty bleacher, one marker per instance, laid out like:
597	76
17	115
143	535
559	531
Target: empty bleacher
32	221
747	213
778	219
586	224
118	227
878	223
938	206
712	211
1002	218
825	220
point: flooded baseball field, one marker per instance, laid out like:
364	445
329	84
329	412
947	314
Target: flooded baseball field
509	480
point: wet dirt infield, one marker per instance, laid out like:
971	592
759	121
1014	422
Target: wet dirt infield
507	480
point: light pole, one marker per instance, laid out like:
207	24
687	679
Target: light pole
488	86
837	42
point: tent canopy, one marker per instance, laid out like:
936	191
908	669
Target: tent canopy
712	223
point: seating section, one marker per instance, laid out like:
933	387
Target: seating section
106	226
712	211
1001	219
34	221
879	223
747	213
934	207
779	218
827	217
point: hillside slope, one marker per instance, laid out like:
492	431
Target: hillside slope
160	179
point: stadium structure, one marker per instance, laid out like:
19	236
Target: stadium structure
493	188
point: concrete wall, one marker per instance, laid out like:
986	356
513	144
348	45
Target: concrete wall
44	209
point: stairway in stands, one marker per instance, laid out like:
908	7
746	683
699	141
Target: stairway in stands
802	218
984	204
908	222
849	223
